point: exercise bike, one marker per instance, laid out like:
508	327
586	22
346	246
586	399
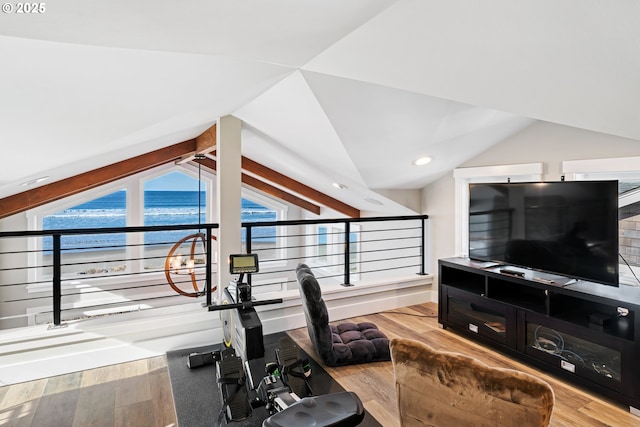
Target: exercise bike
283	390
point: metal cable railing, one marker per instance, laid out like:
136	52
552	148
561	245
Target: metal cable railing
48	276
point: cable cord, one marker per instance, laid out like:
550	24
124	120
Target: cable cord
220	416
553	343
630	269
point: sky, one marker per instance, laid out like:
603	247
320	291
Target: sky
173	181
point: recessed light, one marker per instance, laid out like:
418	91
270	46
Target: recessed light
339	186
35	181
374	201
422	161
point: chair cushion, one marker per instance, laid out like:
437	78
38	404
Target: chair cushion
344	343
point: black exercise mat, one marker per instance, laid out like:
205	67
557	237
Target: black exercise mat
196	394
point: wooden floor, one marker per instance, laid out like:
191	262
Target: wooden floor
129	394
139	393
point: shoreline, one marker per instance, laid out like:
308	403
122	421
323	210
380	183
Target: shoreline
105	261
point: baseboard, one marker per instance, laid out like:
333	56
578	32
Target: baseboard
36	352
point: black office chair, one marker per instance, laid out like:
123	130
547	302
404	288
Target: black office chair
343	344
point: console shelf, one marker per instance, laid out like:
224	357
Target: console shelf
586	333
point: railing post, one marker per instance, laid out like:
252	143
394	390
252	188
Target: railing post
209	259
248	248
57	281
347	254
423	236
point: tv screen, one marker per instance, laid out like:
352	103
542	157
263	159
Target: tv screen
569	228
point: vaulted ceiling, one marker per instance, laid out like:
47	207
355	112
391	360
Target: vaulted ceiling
328	91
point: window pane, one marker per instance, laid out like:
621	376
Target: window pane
625	187
93	254
322	243
171	199
263	238
629	230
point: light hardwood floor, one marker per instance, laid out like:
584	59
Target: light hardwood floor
139	393
129	394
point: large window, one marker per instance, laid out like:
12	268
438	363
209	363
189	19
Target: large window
325	247
89	254
629	227
165	197
266	241
630	222
172	199
625	170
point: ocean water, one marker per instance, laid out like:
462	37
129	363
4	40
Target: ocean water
160	208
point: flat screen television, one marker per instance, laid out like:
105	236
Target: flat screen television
568	228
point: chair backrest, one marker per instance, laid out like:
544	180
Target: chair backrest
443	389
315	312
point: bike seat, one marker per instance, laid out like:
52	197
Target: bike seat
343	409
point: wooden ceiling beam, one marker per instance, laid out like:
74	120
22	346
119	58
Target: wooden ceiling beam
266	188
298	187
48	193
207	141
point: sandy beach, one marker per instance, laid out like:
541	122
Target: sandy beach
106	261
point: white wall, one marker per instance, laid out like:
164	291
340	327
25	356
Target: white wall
551	144
12	223
543	142
438	203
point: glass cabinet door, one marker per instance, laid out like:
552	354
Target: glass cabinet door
478	315
576	354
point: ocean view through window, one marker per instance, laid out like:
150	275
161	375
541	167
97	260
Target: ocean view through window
91	254
161	208
160	205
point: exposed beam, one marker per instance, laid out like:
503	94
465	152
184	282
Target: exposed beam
267	188
30	199
298	187
206	142
39	196
280	193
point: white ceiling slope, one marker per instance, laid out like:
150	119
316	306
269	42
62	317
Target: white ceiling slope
329	91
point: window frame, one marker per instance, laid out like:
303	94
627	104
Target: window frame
134	187
610	168
525	172
282	212
38	281
592	169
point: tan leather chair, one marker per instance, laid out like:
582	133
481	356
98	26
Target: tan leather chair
442	389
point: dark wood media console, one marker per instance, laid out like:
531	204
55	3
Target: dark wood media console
584	332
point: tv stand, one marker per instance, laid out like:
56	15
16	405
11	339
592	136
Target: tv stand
583	332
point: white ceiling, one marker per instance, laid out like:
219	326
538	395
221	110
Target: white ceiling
333	90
